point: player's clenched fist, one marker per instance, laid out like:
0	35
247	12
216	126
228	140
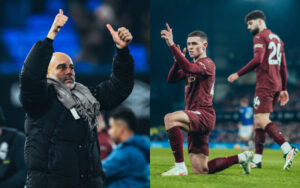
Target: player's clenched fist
167	35
59	21
233	77
122	37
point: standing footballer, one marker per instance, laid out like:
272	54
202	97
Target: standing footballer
271	86
198	118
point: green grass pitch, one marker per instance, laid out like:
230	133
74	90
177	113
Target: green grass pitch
271	174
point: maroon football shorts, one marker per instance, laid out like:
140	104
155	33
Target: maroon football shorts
265	100
202	123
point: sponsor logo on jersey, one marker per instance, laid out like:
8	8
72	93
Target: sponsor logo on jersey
258	45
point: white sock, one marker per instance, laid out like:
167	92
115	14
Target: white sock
286	147
180	165
242	157
257	158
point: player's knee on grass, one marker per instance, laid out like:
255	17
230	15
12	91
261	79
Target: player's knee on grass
199	163
201	169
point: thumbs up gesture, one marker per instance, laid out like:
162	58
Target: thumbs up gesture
59	21
122	37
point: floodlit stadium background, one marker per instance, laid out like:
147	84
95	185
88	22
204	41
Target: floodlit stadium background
230	47
84	38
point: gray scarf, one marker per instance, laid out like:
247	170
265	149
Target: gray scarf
79	100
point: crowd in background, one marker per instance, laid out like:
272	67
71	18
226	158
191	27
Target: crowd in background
85	36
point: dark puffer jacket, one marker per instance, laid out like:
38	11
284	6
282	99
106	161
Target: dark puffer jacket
61	152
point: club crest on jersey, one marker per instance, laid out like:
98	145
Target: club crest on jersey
191	79
256	102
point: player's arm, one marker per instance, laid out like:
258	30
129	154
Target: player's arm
34	90
259	52
188	67
184	64
257	60
284	96
283	72
118	87
176	75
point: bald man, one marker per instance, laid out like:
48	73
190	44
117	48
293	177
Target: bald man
62	148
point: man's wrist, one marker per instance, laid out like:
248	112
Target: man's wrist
122	51
120	47
171	43
51	35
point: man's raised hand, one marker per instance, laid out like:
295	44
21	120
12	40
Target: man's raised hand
122	37
183	52
167	35
59	21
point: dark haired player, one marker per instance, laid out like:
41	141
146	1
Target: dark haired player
271	77
198	118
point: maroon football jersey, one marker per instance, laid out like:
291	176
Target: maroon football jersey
199	88
268	74
199	76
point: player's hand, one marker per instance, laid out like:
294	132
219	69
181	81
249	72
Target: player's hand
183	52
122	37
283	98
233	77
167	35
59	21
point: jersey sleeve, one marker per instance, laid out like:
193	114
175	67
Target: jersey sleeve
175	75
259	49
187	67
283	72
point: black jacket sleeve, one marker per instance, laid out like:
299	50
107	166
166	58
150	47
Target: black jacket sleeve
17	159
34	89
118	87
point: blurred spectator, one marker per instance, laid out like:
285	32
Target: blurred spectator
12	165
128	164
106	143
94	37
90	24
246	124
